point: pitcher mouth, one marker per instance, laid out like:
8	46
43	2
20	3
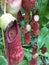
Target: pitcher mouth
11	32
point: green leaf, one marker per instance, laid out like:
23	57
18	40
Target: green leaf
41	37
22	36
43	20
47	14
33	42
41	5
39	61
24	62
47	41
0	52
27	54
3	61
44	38
22	23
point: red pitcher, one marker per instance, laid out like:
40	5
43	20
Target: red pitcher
14	48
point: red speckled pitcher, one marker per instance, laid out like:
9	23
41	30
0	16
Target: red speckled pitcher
14	48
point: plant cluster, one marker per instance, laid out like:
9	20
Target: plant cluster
24	32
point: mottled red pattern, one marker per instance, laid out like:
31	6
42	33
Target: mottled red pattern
34	61
14	49
35	27
28	4
36	32
12	33
24	31
19	16
44	50
35	49
27	38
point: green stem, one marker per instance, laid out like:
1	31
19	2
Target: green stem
5	7
3	39
27	50
2	29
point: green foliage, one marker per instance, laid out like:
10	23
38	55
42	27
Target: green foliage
3	61
47	14
27	54
24	62
43	11
42	36
33	42
41	5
